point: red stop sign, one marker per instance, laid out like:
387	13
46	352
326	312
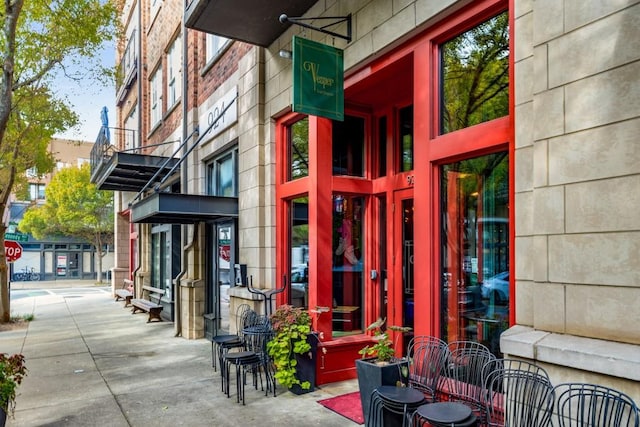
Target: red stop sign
13	250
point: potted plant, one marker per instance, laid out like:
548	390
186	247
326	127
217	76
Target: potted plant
293	349
12	371
379	364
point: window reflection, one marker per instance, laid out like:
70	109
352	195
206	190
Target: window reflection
299	149
348	213
406	138
475	75
475	249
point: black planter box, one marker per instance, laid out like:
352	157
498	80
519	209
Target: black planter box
372	376
306	367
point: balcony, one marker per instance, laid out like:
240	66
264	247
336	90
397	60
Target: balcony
251	21
127	170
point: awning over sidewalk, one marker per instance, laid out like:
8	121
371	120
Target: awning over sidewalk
251	21
173	208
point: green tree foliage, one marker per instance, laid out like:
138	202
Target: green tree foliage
74	207
39	38
475	73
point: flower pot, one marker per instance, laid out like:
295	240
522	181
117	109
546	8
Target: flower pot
3	416
372	375
306	367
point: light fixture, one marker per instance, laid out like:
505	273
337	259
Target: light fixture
286	54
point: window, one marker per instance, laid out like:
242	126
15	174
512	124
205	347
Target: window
348	275
475	75
36	191
131	129
174	72
223	175
32	172
299	246
405	127
382	147
161	249
129	57
155	88
299	149
348	146
214	45
475	249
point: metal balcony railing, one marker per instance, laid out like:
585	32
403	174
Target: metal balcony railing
103	149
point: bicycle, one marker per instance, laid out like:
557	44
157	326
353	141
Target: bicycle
26	275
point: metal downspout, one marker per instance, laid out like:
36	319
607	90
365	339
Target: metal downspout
139	136
183	176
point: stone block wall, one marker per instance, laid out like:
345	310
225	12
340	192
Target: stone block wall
577	163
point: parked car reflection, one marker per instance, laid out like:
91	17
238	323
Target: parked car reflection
496	288
299	285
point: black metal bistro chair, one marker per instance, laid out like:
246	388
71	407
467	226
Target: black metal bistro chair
428	357
591	405
518	394
251	359
464	372
231	338
393	406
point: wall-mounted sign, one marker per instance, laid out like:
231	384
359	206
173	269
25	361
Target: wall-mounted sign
223	107
318	79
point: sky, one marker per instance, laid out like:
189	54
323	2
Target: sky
87	100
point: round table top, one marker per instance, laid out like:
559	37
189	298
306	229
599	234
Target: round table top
445	412
406	395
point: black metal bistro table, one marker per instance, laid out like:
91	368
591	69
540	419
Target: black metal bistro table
445	414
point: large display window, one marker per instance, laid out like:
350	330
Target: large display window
475	249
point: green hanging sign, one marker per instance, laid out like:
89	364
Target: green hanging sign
318	79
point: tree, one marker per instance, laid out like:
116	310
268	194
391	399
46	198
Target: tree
74	207
39	38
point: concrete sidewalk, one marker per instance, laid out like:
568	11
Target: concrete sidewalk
92	363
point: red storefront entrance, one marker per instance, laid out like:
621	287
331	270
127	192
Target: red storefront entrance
402	210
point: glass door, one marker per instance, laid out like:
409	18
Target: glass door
221	276
401	295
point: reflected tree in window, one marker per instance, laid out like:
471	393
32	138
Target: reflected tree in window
475	249
299	149
475	75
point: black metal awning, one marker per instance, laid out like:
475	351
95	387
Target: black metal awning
129	172
251	21
175	208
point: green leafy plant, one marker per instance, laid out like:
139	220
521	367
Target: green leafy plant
291	326
12	371
383	349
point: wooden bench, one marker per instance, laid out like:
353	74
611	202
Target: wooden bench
125	293
148	305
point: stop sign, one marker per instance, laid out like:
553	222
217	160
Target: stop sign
13	250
